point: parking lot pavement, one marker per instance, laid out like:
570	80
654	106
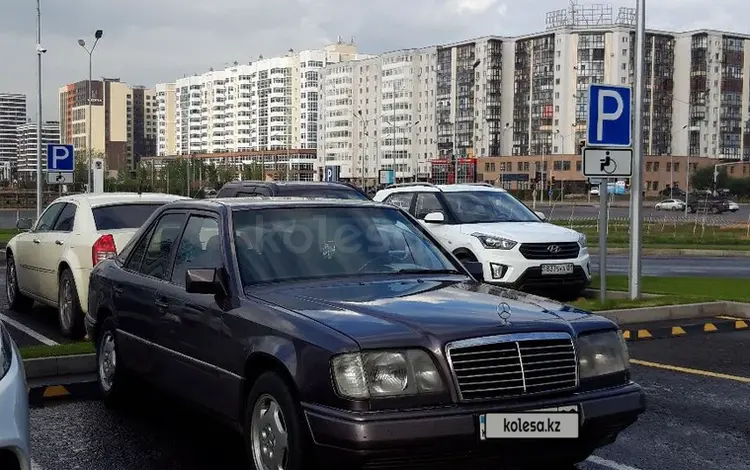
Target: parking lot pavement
698	418
39	326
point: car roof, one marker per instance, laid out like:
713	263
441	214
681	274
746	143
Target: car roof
437	188
276	202
102	199
333	184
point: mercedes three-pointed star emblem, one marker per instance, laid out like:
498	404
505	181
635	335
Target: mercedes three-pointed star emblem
504	312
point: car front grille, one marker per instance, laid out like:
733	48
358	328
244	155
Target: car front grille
563	250
513	365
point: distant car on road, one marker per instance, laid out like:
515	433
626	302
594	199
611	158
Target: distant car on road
319	189
670	205
14	407
341	330
708	204
50	262
733	206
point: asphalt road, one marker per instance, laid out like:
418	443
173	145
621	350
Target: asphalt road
679	266
696	420
580	212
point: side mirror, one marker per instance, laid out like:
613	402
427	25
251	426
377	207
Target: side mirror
205	281
434	218
475	269
24	224
541	215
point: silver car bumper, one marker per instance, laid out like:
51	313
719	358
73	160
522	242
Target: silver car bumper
14	410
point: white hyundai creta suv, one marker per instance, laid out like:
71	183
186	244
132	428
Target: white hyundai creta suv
485	224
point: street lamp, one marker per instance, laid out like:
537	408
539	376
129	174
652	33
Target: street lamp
97	35
39	51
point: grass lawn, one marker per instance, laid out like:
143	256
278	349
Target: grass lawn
83	347
7	233
674	291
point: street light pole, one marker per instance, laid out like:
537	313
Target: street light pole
39	52
82	43
637	178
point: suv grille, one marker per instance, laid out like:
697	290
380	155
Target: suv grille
513	365
563	250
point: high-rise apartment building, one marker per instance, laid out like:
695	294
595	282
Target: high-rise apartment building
267	104
122	120
26	163
165	119
12	115
528	95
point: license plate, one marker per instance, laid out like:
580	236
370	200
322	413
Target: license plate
554	423
557	268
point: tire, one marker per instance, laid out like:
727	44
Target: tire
69	313
111	378
270	394
16	300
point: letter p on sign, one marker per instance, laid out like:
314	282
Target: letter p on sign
59	154
604	116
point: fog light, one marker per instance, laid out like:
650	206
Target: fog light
498	270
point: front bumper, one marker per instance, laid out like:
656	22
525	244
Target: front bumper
525	274
14	413
450	435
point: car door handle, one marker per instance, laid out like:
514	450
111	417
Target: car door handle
161	304
117	290
36	240
59	242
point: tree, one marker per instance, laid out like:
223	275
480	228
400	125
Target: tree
80	178
253	171
703	178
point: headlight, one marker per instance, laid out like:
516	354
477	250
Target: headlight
582	240
375	374
495	243
6	352
602	354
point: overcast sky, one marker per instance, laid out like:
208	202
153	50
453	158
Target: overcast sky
151	41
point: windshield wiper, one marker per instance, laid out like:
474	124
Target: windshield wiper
427	271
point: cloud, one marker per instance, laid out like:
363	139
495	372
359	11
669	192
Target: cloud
150	41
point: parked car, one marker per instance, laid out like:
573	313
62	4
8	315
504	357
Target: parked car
488	225
316	331
670	205
14	407
594	191
325	189
709	204
51	261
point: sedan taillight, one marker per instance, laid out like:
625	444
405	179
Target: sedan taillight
103	248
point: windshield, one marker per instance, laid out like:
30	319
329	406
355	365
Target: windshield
119	216
309	243
474	207
327	193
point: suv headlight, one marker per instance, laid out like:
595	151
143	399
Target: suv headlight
6	351
601	354
582	240
374	374
495	243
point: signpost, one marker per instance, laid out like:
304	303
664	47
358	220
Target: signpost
608	153
61	164
331	173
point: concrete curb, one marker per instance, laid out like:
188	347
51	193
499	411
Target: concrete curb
71	376
678	252
680	320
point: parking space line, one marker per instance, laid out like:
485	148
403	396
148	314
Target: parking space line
609	463
28	331
688	370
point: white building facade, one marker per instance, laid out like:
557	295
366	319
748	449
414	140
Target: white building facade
26	163
12	115
267	104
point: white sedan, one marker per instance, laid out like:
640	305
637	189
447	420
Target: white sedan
733	206
670	205
50	262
